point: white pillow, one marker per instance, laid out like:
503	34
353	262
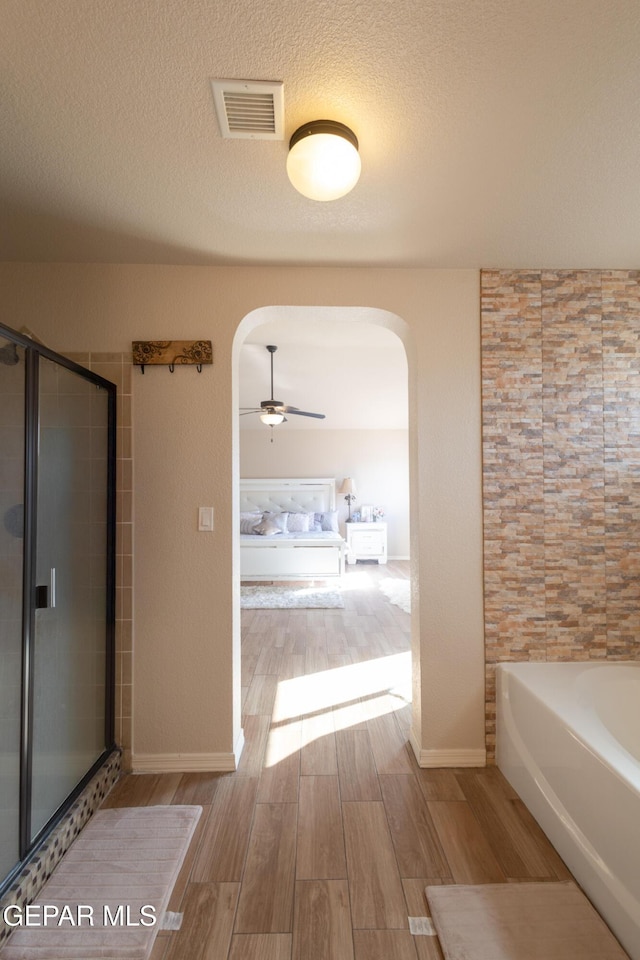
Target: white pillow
328	520
299	522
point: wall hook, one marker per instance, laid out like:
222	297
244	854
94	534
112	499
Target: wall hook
172	352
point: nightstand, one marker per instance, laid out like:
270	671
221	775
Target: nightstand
366	541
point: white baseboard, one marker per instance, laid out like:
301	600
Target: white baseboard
183	762
189	762
451	758
398	558
446	758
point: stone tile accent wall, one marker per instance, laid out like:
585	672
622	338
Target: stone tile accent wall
561	467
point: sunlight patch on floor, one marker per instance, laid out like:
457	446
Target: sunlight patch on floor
283	742
317	692
367	709
357	581
321	725
314	706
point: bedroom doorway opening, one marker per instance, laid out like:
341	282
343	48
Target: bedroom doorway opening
325	670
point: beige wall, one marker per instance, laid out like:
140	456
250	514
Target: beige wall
186	619
378	460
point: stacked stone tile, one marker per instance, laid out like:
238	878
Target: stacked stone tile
561	467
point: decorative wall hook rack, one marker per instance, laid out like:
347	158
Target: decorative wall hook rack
170	353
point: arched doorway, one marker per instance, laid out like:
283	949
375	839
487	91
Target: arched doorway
353	328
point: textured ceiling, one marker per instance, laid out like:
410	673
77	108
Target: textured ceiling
492	132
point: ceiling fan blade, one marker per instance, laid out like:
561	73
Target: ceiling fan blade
301	413
245	410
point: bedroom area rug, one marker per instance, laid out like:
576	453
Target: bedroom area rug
397	592
108	895
290	598
520	921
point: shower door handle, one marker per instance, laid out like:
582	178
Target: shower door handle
46	592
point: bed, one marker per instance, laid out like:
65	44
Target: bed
300	553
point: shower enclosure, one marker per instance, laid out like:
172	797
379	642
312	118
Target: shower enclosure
57	577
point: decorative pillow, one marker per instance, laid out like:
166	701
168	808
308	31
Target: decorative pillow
280	519
299	522
267	528
248	520
328	520
248	525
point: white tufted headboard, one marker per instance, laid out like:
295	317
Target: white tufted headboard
278	494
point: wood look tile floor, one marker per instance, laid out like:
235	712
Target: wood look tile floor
320	846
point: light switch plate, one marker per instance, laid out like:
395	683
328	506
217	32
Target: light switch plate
205	519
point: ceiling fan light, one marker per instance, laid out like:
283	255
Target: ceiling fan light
271	418
323	161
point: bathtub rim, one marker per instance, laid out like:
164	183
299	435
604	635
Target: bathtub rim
578	716
517	758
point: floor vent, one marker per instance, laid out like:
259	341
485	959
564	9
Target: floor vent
249	109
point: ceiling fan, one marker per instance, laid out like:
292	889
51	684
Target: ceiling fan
272	412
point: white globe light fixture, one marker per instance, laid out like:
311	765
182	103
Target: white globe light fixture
323	161
272	418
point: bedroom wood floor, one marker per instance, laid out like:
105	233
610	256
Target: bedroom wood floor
319	847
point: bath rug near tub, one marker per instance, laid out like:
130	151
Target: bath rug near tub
115	879
520	921
289	598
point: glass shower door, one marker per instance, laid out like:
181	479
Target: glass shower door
12	385
70	639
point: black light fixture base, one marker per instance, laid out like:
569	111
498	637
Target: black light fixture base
323	126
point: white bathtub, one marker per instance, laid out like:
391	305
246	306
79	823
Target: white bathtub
569	743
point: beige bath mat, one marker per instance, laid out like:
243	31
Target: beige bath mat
105	894
520	921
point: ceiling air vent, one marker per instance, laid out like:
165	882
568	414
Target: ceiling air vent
249	109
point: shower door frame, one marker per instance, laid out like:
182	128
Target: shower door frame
33	352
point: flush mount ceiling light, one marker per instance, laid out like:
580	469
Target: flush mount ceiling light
323	161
